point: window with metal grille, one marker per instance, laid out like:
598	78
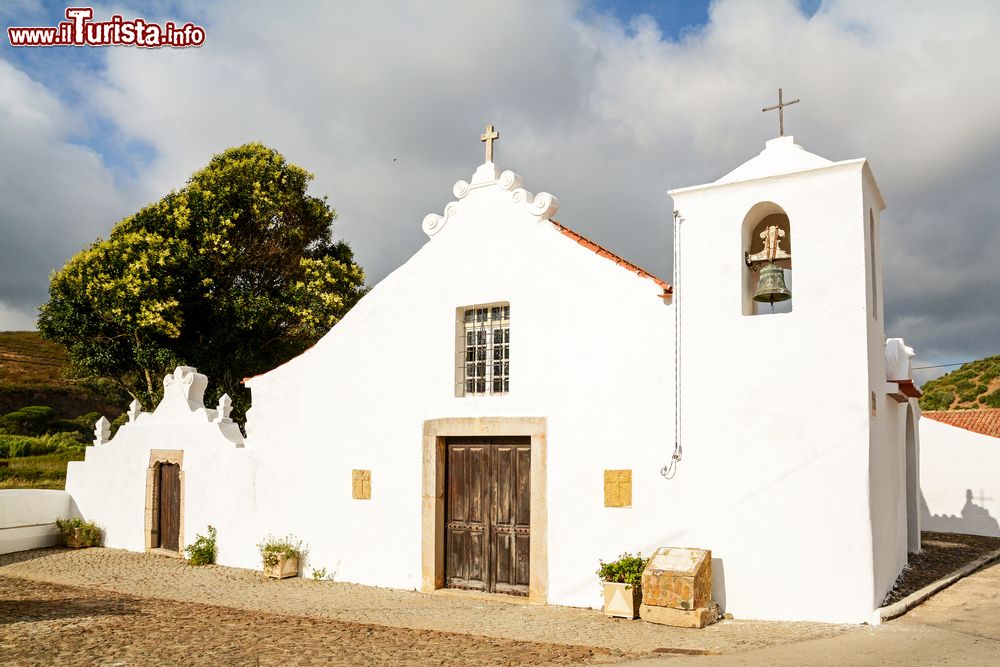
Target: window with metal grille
483	353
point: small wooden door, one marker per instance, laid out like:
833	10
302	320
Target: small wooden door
488	520
169	506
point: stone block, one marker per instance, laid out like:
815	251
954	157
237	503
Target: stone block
678	578
680	618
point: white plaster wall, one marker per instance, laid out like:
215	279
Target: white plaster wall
954	462
888	492
109	486
28	516
776	406
591	350
887	448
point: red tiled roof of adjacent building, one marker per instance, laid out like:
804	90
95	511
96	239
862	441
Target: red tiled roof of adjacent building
604	252
985	421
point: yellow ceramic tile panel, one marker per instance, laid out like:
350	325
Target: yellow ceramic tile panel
361	484
617	488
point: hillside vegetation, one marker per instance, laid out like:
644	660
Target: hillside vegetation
975	385
26	360
35	372
46	419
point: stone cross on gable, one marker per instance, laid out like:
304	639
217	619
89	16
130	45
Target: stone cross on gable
780	106
489	136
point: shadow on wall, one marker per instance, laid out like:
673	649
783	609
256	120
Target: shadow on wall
974	520
719	583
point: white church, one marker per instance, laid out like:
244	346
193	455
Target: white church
515	402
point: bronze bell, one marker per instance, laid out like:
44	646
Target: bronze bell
771	287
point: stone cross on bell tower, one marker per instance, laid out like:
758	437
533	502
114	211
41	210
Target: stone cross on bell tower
780	106
489	136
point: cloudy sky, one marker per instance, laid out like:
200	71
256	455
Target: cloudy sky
607	104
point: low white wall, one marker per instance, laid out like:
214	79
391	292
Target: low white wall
28	517
110	487
217	474
959	480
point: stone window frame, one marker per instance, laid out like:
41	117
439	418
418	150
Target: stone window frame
462	346
157	457
436	431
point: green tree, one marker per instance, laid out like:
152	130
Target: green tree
234	273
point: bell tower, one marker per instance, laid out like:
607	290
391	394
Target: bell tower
783	380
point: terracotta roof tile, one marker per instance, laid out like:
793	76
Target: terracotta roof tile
604	252
985	421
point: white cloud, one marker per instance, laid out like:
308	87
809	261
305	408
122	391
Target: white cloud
56	196
386	106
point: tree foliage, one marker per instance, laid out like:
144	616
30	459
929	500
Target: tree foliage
234	273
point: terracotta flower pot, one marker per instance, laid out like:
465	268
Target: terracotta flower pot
622	600
284	568
76	541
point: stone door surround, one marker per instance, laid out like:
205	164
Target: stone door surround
157	457
433	492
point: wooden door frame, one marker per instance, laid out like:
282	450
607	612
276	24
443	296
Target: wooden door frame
158	457
433	492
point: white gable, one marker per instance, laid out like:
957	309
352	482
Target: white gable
496	242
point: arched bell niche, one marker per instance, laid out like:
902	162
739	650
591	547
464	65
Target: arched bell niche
756	239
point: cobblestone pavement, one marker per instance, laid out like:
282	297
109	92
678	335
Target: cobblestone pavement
46	624
130	601
958	626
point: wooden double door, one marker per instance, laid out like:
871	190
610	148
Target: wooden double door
169	506
488	514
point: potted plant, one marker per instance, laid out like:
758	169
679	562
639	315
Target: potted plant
281	556
204	550
622	585
77	533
